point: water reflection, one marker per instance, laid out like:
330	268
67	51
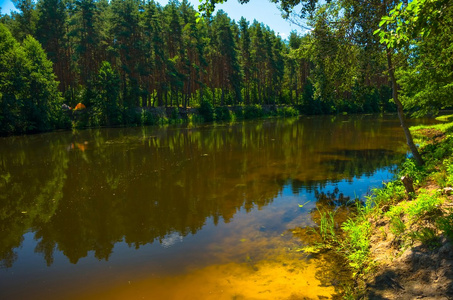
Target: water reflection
88	191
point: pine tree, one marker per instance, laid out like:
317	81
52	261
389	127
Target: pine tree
127	31
51	33
84	30
245	57
24	22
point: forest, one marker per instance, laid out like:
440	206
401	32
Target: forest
121	57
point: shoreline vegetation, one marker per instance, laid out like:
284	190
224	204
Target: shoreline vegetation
205	113
398	243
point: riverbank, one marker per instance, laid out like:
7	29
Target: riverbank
399	244
411	236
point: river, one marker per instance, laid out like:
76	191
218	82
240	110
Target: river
183	212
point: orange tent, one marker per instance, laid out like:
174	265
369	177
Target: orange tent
79	106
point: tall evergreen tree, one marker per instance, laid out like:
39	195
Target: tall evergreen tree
51	32
127	31
228	64
84	30
245	57
25	20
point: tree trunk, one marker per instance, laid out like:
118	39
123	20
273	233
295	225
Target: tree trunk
407	133
408	185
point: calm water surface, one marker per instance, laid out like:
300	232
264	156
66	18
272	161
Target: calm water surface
205	212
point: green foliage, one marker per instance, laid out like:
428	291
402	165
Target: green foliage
167	56
287	111
195	119
420	29
448	164
206	110
357	242
327	228
173	115
415	172
148	118
406	215
352	243
428	236
253	112
425	204
407	21
238	113
445	223
445	118
222	113
397	227
107	102
29	97
391	193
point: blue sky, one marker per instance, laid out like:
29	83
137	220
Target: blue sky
6	6
261	10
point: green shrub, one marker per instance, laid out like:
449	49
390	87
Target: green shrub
131	116
253	112
206	110
173	115
415	172
148	118
195	119
238	113
222	113
287	111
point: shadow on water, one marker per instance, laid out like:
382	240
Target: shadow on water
106	194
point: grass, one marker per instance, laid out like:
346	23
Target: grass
446	118
356	243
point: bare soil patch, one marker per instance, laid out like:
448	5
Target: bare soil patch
417	272
432	135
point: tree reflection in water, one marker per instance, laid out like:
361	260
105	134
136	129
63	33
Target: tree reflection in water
143	185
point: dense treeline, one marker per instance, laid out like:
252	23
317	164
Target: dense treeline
120	55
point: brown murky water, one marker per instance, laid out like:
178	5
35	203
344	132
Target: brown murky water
205	212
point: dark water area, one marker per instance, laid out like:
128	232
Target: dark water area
182	212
